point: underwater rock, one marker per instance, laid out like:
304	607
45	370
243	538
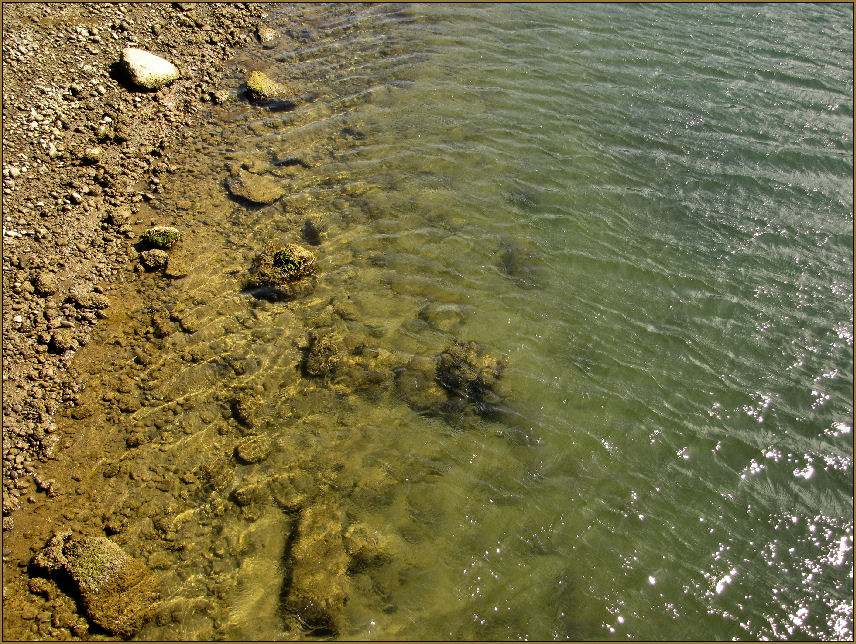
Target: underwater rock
154	259
176	267
163	237
468	370
119	593
292	490
261	88
253	449
284	272
317	583
366	548
419	389
522	265
443	316
215	474
245	410
312	233
254	188
146	69
322	356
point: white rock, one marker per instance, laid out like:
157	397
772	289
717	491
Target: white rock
148	70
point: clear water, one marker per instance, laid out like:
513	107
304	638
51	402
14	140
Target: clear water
647	208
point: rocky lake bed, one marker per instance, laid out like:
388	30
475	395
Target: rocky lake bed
85	146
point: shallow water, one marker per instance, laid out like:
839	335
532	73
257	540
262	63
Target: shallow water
648	210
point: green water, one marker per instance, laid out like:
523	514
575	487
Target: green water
648	209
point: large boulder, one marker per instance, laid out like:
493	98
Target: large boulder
148	70
118	592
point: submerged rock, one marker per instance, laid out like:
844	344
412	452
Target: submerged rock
148	70
253	449
154	259
118	592
261	88
322	356
254	188
469	371
284	272
317	584
522	265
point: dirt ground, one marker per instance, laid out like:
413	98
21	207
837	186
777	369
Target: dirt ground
82	149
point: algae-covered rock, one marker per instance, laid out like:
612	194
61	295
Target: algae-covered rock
253	449
284	272
261	88
118	592
254	188
322	356
468	370
163	237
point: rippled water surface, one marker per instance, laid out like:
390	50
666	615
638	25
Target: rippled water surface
647	210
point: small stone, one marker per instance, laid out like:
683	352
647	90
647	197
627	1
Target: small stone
148	70
45	284
91	155
266	34
62	340
75	198
261	88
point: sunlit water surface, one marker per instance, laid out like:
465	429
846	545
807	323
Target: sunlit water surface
647	208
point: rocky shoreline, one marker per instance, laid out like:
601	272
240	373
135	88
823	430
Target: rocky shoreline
82	149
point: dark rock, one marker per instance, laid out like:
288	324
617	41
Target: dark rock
312	233
522	265
469	371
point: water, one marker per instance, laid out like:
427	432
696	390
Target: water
646	209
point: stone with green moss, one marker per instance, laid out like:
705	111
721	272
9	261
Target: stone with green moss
163	237
117	591
284	272
260	87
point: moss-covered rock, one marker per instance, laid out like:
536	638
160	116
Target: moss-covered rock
284	272
260	87
163	237
118	592
468	370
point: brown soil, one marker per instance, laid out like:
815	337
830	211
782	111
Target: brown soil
70	214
